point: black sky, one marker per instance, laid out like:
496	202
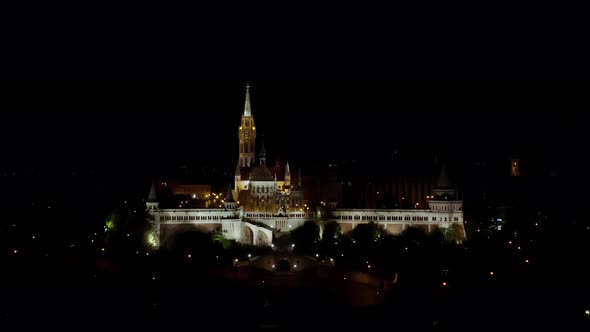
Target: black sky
135	122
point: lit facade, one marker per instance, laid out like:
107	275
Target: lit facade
266	200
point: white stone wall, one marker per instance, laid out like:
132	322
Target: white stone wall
406	218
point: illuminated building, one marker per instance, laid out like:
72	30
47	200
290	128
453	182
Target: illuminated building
515	167
267	200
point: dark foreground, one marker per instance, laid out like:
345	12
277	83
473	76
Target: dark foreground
190	301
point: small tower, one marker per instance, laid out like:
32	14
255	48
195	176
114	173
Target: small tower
229	202
287	175
443	189
247	135
152	203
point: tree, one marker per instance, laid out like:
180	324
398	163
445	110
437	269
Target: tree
332	230
220	239
306	237
126	229
367	236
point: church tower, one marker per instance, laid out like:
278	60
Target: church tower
247	134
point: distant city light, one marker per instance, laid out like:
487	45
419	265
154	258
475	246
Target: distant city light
444	283
189	256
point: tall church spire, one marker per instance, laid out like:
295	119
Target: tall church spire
247	106
247	134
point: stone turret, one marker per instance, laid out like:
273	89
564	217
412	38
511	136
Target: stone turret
152	203
229	202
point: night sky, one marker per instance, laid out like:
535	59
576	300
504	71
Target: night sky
135	122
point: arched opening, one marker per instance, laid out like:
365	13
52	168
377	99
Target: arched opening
248	236
262	239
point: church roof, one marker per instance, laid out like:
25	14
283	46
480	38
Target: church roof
278	170
244	172
261	173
